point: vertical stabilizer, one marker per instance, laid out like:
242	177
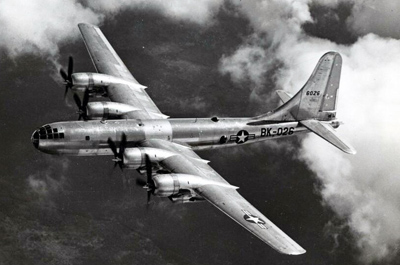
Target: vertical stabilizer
317	99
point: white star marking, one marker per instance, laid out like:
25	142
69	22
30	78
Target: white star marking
254	219
242	137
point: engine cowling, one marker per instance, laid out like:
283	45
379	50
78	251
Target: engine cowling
134	158
169	185
102	110
82	81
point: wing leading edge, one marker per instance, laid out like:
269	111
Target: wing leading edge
107	61
228	200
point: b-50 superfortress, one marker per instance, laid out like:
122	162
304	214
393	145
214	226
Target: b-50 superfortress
132	129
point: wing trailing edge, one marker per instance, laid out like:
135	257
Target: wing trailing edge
325	131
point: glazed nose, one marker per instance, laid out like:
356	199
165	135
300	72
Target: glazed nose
35	139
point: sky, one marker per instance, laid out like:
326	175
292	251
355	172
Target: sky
202	59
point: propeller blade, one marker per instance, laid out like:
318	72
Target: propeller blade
85	98
63	74
122	145
82	108
77	101
140	182
70	68
112	146
150	181
65	93
148	196
149	169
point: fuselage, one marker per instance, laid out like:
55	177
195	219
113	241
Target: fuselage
89	138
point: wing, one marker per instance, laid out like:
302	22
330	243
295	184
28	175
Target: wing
107	61
226	199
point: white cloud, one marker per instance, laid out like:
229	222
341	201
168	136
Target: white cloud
364	188
280	21
278	18
200	12
40	26
361	189
249	62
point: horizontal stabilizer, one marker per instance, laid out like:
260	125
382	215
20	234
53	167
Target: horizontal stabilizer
326	132
284	96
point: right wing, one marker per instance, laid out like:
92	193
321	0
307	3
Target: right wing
107	61
225	198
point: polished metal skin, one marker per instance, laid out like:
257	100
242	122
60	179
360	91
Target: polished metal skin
89	138
134	131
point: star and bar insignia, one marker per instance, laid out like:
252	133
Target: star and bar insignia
242	136
254	219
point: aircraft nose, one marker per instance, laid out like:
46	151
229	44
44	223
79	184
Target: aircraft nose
35	139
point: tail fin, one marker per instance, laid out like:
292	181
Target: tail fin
314	106
317	98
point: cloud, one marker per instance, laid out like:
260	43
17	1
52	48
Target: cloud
48	182
39	27
362	189
267	16
249	62
274	22
200	12
379	17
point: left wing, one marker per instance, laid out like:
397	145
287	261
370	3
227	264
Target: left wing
107	61
225	198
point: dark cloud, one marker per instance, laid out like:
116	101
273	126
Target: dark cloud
330	22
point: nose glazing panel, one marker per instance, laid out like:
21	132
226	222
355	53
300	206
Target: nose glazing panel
35	138
46	132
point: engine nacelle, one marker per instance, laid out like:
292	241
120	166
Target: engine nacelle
83	81
102	110
169	185
134	158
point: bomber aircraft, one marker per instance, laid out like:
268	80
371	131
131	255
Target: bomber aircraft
131	128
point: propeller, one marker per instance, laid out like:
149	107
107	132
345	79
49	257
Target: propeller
149	185
118	156
82	105
68	76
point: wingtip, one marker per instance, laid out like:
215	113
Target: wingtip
293	252
351	151
82	24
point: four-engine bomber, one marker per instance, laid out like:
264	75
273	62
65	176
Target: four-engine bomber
139	136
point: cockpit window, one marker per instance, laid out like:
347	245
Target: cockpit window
46	132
